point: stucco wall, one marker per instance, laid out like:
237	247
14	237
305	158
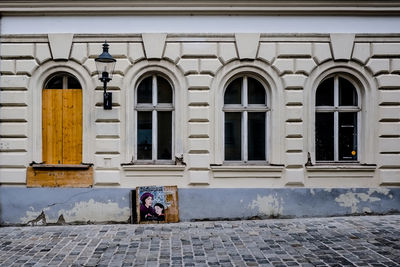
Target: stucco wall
24	206
199	66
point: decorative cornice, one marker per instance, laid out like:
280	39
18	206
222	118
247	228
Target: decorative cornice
196	7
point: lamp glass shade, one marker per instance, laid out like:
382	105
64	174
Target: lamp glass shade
105	67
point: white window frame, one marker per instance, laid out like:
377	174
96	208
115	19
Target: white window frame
244	108
154	107
336	109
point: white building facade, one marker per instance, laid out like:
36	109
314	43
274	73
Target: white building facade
252	109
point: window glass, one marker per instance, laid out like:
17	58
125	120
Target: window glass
164	90
324	136
73	83
144	136
256	135
347	93
325	93
144	91
233	93
55	82
256	92
164	135
348	136
233	134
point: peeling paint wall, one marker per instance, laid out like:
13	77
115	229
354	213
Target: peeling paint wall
41	206
72	205
285	202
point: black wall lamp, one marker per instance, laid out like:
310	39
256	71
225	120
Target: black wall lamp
105	64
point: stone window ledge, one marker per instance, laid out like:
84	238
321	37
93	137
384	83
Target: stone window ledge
267	171
341	171
61	166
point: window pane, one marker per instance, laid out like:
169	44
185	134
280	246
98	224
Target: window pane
73	83
164	135
324	136
347	93
256	92
233	93
348	136
55	83
164	93
256	136
325	93
144	136
144	91
233	132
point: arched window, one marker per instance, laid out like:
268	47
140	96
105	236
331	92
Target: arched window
337	117
246	119
154	112
62	120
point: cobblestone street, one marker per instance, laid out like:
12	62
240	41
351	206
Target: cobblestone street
342	241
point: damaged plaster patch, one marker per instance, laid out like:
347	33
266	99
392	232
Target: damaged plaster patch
96	212
32	215
268	205
351	200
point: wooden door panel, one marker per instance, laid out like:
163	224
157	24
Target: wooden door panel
72	126
52	117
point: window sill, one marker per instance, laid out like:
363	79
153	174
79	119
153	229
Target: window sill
62	166
247	171
341	170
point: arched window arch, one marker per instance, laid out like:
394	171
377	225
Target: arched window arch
337	119
154	112
246	116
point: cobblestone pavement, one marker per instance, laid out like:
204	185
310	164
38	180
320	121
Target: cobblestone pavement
342	241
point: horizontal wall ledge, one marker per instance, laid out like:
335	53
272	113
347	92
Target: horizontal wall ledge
267	171
154	170
341	171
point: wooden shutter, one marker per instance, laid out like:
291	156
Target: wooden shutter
62	126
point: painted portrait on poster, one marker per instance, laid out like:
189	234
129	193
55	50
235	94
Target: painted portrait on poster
157	204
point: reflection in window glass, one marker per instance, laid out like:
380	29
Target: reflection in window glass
256	92
348	136
256	136
144	136
144	91
55	83
324	136
164	91
233	93
347	93
164	135
233	133
325	93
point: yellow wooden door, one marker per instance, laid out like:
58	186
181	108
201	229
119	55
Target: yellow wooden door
62	126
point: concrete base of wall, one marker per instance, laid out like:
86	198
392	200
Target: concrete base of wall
40	206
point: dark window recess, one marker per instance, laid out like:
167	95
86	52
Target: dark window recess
324	136
144	91
233	93
55	82
256	135
164	135
144	137
164	91
256	92
233	134
348	136
73	83
347	93
325	93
